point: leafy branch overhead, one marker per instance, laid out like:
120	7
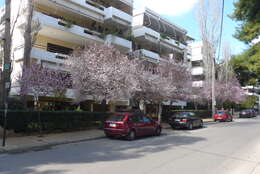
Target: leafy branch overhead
248	12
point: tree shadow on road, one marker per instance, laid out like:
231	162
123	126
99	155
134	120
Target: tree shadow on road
90	152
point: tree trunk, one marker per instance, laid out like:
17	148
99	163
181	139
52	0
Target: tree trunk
159	112
196	106
27	42
142	106
6	85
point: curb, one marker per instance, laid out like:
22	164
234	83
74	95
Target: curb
45	146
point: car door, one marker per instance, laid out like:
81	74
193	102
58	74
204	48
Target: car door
137	124
149	127
193	119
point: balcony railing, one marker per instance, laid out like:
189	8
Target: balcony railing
197	71
69	32
148	55
197	83
118	16
123	44
78	7
48	56
155	37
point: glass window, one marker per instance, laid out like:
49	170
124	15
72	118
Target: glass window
146	119
116	118
135	118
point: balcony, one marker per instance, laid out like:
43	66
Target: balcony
47	56
196	57
197	71
76	7
120	43
144	34
148	55
127	2
61	30
197	84
116	16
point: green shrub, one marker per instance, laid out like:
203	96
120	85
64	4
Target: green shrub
28	121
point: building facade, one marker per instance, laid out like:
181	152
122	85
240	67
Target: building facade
197	65
60	26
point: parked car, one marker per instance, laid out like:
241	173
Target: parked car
247	113
185	120
131	125
222	115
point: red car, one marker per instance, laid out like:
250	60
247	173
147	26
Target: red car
131	125
223	116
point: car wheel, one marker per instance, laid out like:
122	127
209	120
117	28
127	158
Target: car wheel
190	126
201	124
131	136
109	136
158	131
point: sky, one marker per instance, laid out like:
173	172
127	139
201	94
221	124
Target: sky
183	14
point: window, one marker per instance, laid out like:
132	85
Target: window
116	118
135	118
146	119
58	49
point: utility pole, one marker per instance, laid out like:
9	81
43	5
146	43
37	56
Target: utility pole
6	63
213	97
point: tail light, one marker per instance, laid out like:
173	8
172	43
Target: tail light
183	120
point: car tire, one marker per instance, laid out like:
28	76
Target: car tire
158	131
201	124
109	136
131	135
190	126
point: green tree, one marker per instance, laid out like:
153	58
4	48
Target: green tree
249	102
247	65
248	12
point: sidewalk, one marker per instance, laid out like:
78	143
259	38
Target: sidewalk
30	143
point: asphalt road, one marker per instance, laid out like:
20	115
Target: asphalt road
221	148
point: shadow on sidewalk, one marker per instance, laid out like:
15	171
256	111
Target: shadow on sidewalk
89	153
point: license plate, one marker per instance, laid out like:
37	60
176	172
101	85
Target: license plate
112	125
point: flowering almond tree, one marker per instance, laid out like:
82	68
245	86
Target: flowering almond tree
226	91
38	81
162	82
102	72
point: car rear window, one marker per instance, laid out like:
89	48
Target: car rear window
220	112
181	114
116	118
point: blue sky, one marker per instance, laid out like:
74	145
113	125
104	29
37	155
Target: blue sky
183	13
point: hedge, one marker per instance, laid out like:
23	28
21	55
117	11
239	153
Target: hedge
31	121
198	113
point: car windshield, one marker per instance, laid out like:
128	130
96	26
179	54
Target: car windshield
220	112
116	118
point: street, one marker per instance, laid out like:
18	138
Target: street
218	148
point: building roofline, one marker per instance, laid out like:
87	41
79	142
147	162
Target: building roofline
157	15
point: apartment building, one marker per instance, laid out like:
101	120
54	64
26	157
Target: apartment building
156	37
63	25
197	65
